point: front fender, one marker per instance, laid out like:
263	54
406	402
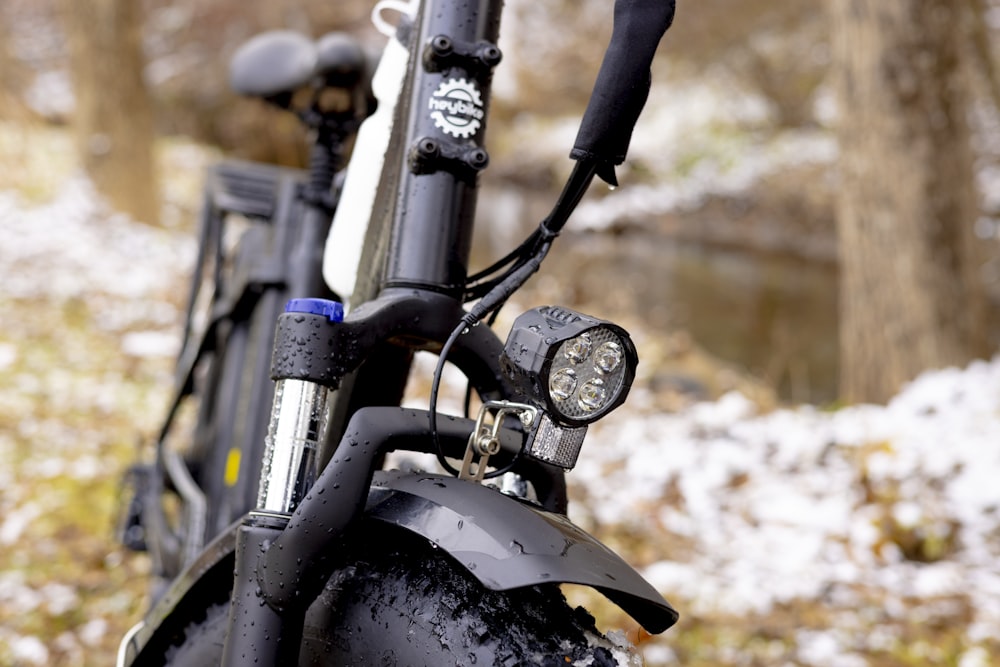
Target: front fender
506	543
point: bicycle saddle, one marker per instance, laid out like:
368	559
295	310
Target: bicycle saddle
274	64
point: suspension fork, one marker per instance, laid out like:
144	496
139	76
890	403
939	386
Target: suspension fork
298	424
281	557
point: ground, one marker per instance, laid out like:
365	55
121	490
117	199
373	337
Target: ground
853	536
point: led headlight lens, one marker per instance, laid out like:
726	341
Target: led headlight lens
608	357
562	384
593	395
594	360
577	349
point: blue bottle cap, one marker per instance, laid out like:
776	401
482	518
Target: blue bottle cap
332	310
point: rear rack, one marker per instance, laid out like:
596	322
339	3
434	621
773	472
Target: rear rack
248	188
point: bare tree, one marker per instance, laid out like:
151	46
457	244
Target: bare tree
113	119
911	297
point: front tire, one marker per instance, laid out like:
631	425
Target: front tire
405	602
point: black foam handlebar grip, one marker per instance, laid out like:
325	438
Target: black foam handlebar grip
622	83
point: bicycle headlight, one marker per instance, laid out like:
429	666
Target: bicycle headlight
574	367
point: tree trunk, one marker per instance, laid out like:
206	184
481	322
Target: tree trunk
113	119
911	298
12	81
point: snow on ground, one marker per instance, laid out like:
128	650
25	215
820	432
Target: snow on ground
91	303
72	247
696	137
890	503
725	166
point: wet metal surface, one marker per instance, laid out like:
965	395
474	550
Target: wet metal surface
508	544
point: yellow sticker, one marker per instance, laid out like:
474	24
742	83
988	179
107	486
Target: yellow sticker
232	467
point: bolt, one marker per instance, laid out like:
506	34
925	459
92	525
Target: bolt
428	147
490	55
442	45
478	158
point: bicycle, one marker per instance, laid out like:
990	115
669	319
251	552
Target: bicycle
288	541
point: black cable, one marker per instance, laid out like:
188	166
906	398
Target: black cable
514	254
527	258
479	290
432	410
521	256
435	385
490	302
468	385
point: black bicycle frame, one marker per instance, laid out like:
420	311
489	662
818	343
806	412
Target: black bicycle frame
433	213
425	206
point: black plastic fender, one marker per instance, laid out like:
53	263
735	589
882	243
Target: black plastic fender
507	543
504	542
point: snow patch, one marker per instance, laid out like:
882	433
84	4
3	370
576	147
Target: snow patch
72	247
802	504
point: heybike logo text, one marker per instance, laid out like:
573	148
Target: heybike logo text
457	108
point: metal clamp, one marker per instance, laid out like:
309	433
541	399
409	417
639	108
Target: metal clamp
484	441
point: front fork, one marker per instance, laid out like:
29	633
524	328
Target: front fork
260	631
283	554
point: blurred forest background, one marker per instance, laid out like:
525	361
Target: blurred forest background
908	92
747	211
810	211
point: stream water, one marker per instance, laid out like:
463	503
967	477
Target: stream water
773	316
